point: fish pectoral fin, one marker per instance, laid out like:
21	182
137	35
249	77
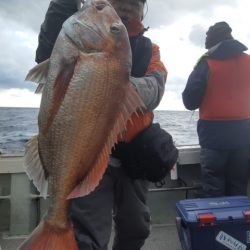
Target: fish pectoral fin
60	88
39	74
34	168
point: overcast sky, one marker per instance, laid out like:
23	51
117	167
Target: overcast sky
177	26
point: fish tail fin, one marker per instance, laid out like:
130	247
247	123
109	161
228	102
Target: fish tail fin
48	237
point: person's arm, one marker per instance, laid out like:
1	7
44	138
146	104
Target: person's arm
151	87
57	13
195	89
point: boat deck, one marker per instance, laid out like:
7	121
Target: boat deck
162	237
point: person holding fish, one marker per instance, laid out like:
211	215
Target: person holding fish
126	83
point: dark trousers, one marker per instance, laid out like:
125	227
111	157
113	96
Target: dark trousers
117	197
224	172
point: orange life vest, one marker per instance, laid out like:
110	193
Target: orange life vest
227	95
136	124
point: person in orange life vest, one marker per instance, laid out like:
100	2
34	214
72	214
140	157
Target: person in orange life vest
117	195
220	87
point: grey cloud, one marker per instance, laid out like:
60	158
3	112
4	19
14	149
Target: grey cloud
197	35
30	13
19	19
16	56
10	81
19	16
161	12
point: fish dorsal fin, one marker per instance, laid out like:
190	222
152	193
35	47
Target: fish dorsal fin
60	87
34	168
132	103
39	74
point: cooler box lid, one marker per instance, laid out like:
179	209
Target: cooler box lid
214	210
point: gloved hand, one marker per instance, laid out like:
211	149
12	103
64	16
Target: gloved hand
57	13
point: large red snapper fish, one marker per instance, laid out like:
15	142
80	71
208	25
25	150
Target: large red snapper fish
87	100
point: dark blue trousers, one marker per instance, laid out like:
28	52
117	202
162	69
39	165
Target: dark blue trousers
119	198
224	172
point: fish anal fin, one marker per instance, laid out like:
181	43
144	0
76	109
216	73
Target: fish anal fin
34	167
39	74
92	179
61	85
47	237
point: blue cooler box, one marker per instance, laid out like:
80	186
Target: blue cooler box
214	223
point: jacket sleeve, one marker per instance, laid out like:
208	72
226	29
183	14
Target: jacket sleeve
195	89
57	13
151	86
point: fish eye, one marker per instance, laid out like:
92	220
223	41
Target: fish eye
114	28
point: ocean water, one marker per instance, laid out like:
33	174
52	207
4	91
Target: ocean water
18	125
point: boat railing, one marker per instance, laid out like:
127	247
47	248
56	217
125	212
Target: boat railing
21	206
